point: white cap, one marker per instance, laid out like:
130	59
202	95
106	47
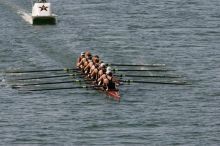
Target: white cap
82	53
109	69
102	64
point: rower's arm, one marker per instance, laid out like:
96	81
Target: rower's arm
101	78
81	62
78	62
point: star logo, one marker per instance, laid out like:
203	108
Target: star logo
43	8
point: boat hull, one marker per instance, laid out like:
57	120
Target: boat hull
114	94
42	20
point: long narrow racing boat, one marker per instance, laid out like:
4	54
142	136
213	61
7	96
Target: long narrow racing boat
111	93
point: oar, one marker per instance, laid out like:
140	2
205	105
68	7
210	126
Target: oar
46	83
49	70
118	75
76	69
46	77
147	76
62	88
138	65
155	82
155	70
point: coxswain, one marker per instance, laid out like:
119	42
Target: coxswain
109	82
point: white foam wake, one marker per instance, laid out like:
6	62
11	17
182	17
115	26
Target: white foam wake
21	12
26	16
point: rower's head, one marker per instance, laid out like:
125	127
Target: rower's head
109	69
109	73
102	65
83	54
96	56
88	54
96	60
104	70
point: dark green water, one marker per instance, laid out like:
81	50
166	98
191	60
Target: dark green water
182	34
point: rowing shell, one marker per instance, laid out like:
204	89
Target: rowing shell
112	93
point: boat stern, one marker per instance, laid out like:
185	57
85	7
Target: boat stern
42	14
42	20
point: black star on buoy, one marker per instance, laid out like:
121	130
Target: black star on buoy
43	8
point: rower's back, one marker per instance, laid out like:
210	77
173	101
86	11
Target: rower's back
111	84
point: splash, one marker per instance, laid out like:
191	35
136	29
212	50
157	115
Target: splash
26	16
2	80
20	11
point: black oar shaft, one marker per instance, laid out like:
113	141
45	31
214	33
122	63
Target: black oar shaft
46	77
147	76
48	83
61	88
49	70
155	70
138	65
155	82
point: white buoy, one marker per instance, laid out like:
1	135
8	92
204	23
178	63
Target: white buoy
42	13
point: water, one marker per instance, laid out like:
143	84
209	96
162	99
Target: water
182	34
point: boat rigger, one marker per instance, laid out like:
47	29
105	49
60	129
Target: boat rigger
42	13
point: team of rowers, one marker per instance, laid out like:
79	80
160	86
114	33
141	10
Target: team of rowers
97	70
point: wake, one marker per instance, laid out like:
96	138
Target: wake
26	16
20	11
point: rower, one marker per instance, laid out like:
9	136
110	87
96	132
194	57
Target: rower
101	69
80	58
93	73
103	76
95	64
85	61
